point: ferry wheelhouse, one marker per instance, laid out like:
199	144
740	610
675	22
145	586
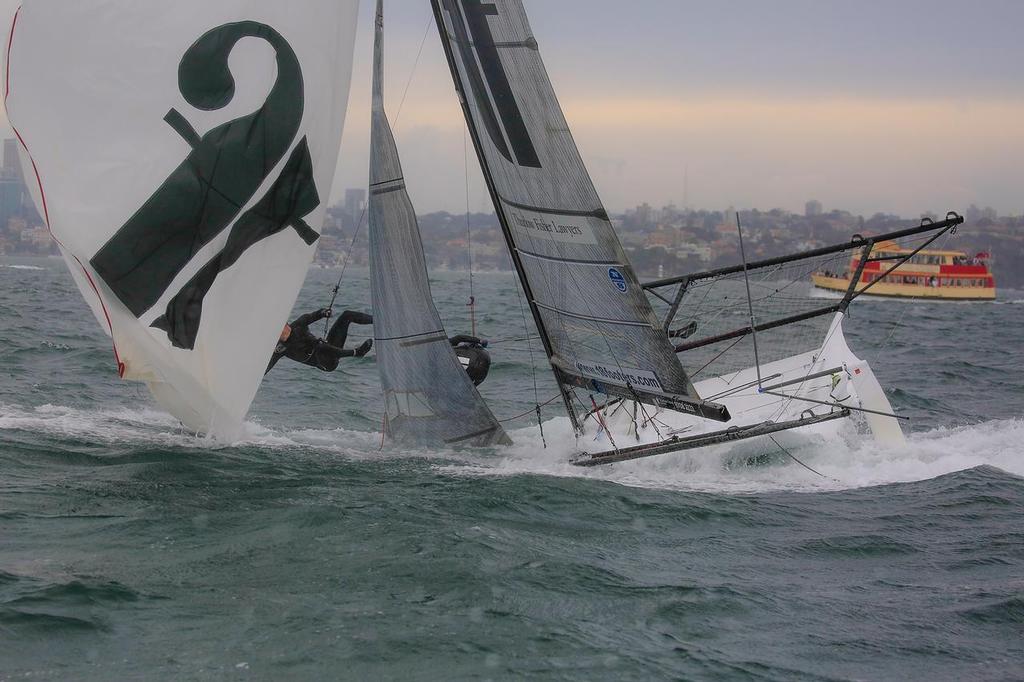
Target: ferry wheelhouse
942	275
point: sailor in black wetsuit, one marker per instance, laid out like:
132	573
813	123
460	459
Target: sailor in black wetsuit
299	344
475	360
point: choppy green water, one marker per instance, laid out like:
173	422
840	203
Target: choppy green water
129	550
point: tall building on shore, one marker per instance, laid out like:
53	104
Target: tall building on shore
12	164
813	209
15	201
355	202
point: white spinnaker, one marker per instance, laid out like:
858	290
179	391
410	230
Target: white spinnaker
89	86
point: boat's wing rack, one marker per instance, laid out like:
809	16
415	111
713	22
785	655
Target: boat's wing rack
712	332
678	443
932	229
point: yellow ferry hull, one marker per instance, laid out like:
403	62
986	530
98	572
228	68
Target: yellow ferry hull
907	290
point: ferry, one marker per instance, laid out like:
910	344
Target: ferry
940	275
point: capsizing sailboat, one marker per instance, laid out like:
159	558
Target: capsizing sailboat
181	154
597	321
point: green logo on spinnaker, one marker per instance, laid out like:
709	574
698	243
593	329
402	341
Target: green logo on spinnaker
207	191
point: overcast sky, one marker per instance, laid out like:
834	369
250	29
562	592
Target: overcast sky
899	106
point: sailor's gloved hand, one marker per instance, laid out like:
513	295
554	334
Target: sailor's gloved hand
323	312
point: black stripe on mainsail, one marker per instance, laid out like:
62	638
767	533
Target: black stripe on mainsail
408	336
420	342
387	190
489	82
594	213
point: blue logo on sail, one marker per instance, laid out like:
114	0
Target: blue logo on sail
617	279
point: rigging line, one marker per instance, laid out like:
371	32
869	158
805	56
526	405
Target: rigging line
741	388
793	457
899	319
503	341
750	303
838	404
771	295
600	419
344	267
788	399
529	345
530	411
712	360
647	418
469	233
426	31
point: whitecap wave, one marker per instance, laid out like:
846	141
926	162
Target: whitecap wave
758	465
21	267
852	461
109	426
153	428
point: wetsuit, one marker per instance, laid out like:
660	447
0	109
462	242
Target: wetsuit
475	360
324	354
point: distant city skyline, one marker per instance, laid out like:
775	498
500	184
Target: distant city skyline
900	107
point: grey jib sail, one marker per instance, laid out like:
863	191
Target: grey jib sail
599	329
430	400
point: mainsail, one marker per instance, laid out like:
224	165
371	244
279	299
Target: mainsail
429	398
181	153
599	329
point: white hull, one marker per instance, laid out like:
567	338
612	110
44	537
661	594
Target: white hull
852	385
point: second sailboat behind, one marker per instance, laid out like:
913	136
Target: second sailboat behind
430	401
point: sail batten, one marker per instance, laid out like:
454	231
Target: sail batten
598	328
186	150
430	401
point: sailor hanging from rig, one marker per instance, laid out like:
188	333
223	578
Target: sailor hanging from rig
299	344
473	356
